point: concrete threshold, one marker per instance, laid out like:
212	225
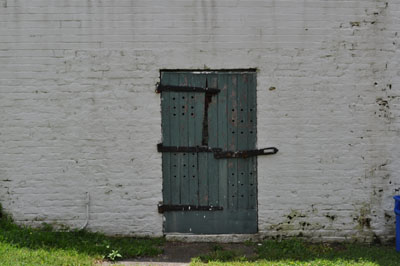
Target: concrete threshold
223	238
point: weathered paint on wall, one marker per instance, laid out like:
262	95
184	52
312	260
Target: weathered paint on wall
79	113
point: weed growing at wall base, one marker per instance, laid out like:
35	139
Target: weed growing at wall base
27	246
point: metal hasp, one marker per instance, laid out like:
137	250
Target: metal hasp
245	153
161	88
165	208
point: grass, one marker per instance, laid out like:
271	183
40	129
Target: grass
219	254
27	246
296	252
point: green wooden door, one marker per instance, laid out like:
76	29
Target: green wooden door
224	190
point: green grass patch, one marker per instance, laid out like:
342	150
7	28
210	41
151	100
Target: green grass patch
296	252
221	255
28	246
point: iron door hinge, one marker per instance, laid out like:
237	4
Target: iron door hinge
167	208
162	148
218	153
161	88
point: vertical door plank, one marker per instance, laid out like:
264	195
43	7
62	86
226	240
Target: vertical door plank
166	137
192	166
252	138
199	80
223	137
252	111
175	157
242	141
213	179
191	113
193	179
184	141
232	140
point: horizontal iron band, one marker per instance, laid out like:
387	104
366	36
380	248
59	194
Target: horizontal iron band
245	153
161	88
161	148
218	153
166	208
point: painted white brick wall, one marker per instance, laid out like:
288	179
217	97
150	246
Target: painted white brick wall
79	113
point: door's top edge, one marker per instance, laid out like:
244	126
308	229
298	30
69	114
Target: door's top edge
214	71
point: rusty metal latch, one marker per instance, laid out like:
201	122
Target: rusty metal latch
166	208
218	153
244	153
161	88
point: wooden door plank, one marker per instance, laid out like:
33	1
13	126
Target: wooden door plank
232	141
252	118
242	144
198	129
192	160
223	138
213	179
252	111
199	80
175	157
166	138
184	141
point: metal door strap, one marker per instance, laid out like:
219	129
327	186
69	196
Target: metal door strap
218	153
161	88
166	208
245	153
161	148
